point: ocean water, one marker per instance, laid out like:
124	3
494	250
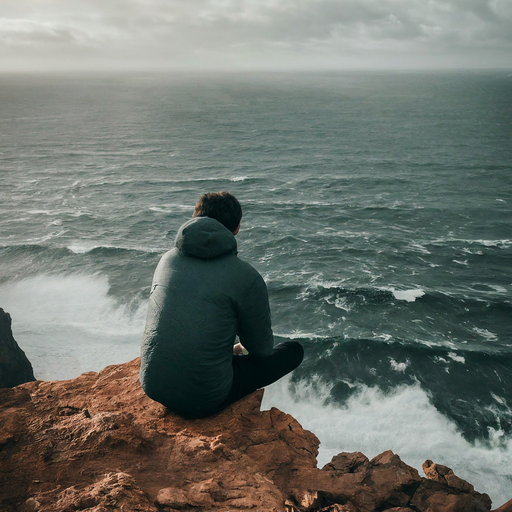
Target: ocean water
377	206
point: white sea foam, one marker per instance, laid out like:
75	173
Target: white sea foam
415	246
69	324
457	358
84	247
488	335
399	367
81	247
172	208
403	421
342	303
40	212
487	243
238	178
408	295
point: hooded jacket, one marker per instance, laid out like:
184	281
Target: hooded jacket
202	296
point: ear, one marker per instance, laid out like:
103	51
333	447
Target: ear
236	230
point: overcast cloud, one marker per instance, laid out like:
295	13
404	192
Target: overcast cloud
254	34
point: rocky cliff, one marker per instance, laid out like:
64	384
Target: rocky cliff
97	443
15	368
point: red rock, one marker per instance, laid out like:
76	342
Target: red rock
445	475
347	463
506	507
434	496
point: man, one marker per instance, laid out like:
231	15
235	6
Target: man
202	297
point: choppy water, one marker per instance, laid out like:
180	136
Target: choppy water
376	205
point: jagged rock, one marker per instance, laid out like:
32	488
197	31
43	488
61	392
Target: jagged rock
445	475
15	368
347	462
443	491
98	443
437	497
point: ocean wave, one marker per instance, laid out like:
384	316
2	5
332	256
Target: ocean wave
171	208
407	295
335	291
471	375
502	244
402	419
37	240
71	324
494	297
17	249
84	248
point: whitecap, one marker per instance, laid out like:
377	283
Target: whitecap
297	335
497	288
498	399
488	335
40	212
455	357
81	248
171	208
238	178
342	303
415	246
408	295
385	337
399	367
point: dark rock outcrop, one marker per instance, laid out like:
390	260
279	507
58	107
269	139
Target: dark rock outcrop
15	368
98	443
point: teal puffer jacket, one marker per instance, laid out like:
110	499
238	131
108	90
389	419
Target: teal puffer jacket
202	296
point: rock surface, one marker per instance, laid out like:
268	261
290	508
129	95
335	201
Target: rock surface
15	368
98	443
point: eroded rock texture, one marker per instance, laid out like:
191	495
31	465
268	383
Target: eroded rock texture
97	443
15	368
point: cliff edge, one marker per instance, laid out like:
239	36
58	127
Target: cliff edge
15	368
97	443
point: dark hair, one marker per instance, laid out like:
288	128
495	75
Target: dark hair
221	206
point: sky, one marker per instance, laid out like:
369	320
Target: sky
239	35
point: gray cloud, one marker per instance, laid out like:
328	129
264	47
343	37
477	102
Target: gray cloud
256	33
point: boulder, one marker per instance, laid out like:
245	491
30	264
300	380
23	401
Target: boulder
15	368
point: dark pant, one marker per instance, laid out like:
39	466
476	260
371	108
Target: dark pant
251	372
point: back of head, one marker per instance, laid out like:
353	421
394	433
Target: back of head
221	206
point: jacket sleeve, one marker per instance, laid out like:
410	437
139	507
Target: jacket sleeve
254	323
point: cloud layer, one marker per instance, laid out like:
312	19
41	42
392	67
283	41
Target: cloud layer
255	34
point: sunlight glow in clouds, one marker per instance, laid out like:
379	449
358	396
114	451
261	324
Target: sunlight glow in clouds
254	34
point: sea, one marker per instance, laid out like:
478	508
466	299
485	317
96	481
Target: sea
376	205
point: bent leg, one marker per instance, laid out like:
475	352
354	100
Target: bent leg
252	373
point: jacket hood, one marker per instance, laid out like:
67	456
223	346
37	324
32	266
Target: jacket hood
203	237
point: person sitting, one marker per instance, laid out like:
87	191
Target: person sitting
202	298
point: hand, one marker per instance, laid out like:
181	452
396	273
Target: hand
238	349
